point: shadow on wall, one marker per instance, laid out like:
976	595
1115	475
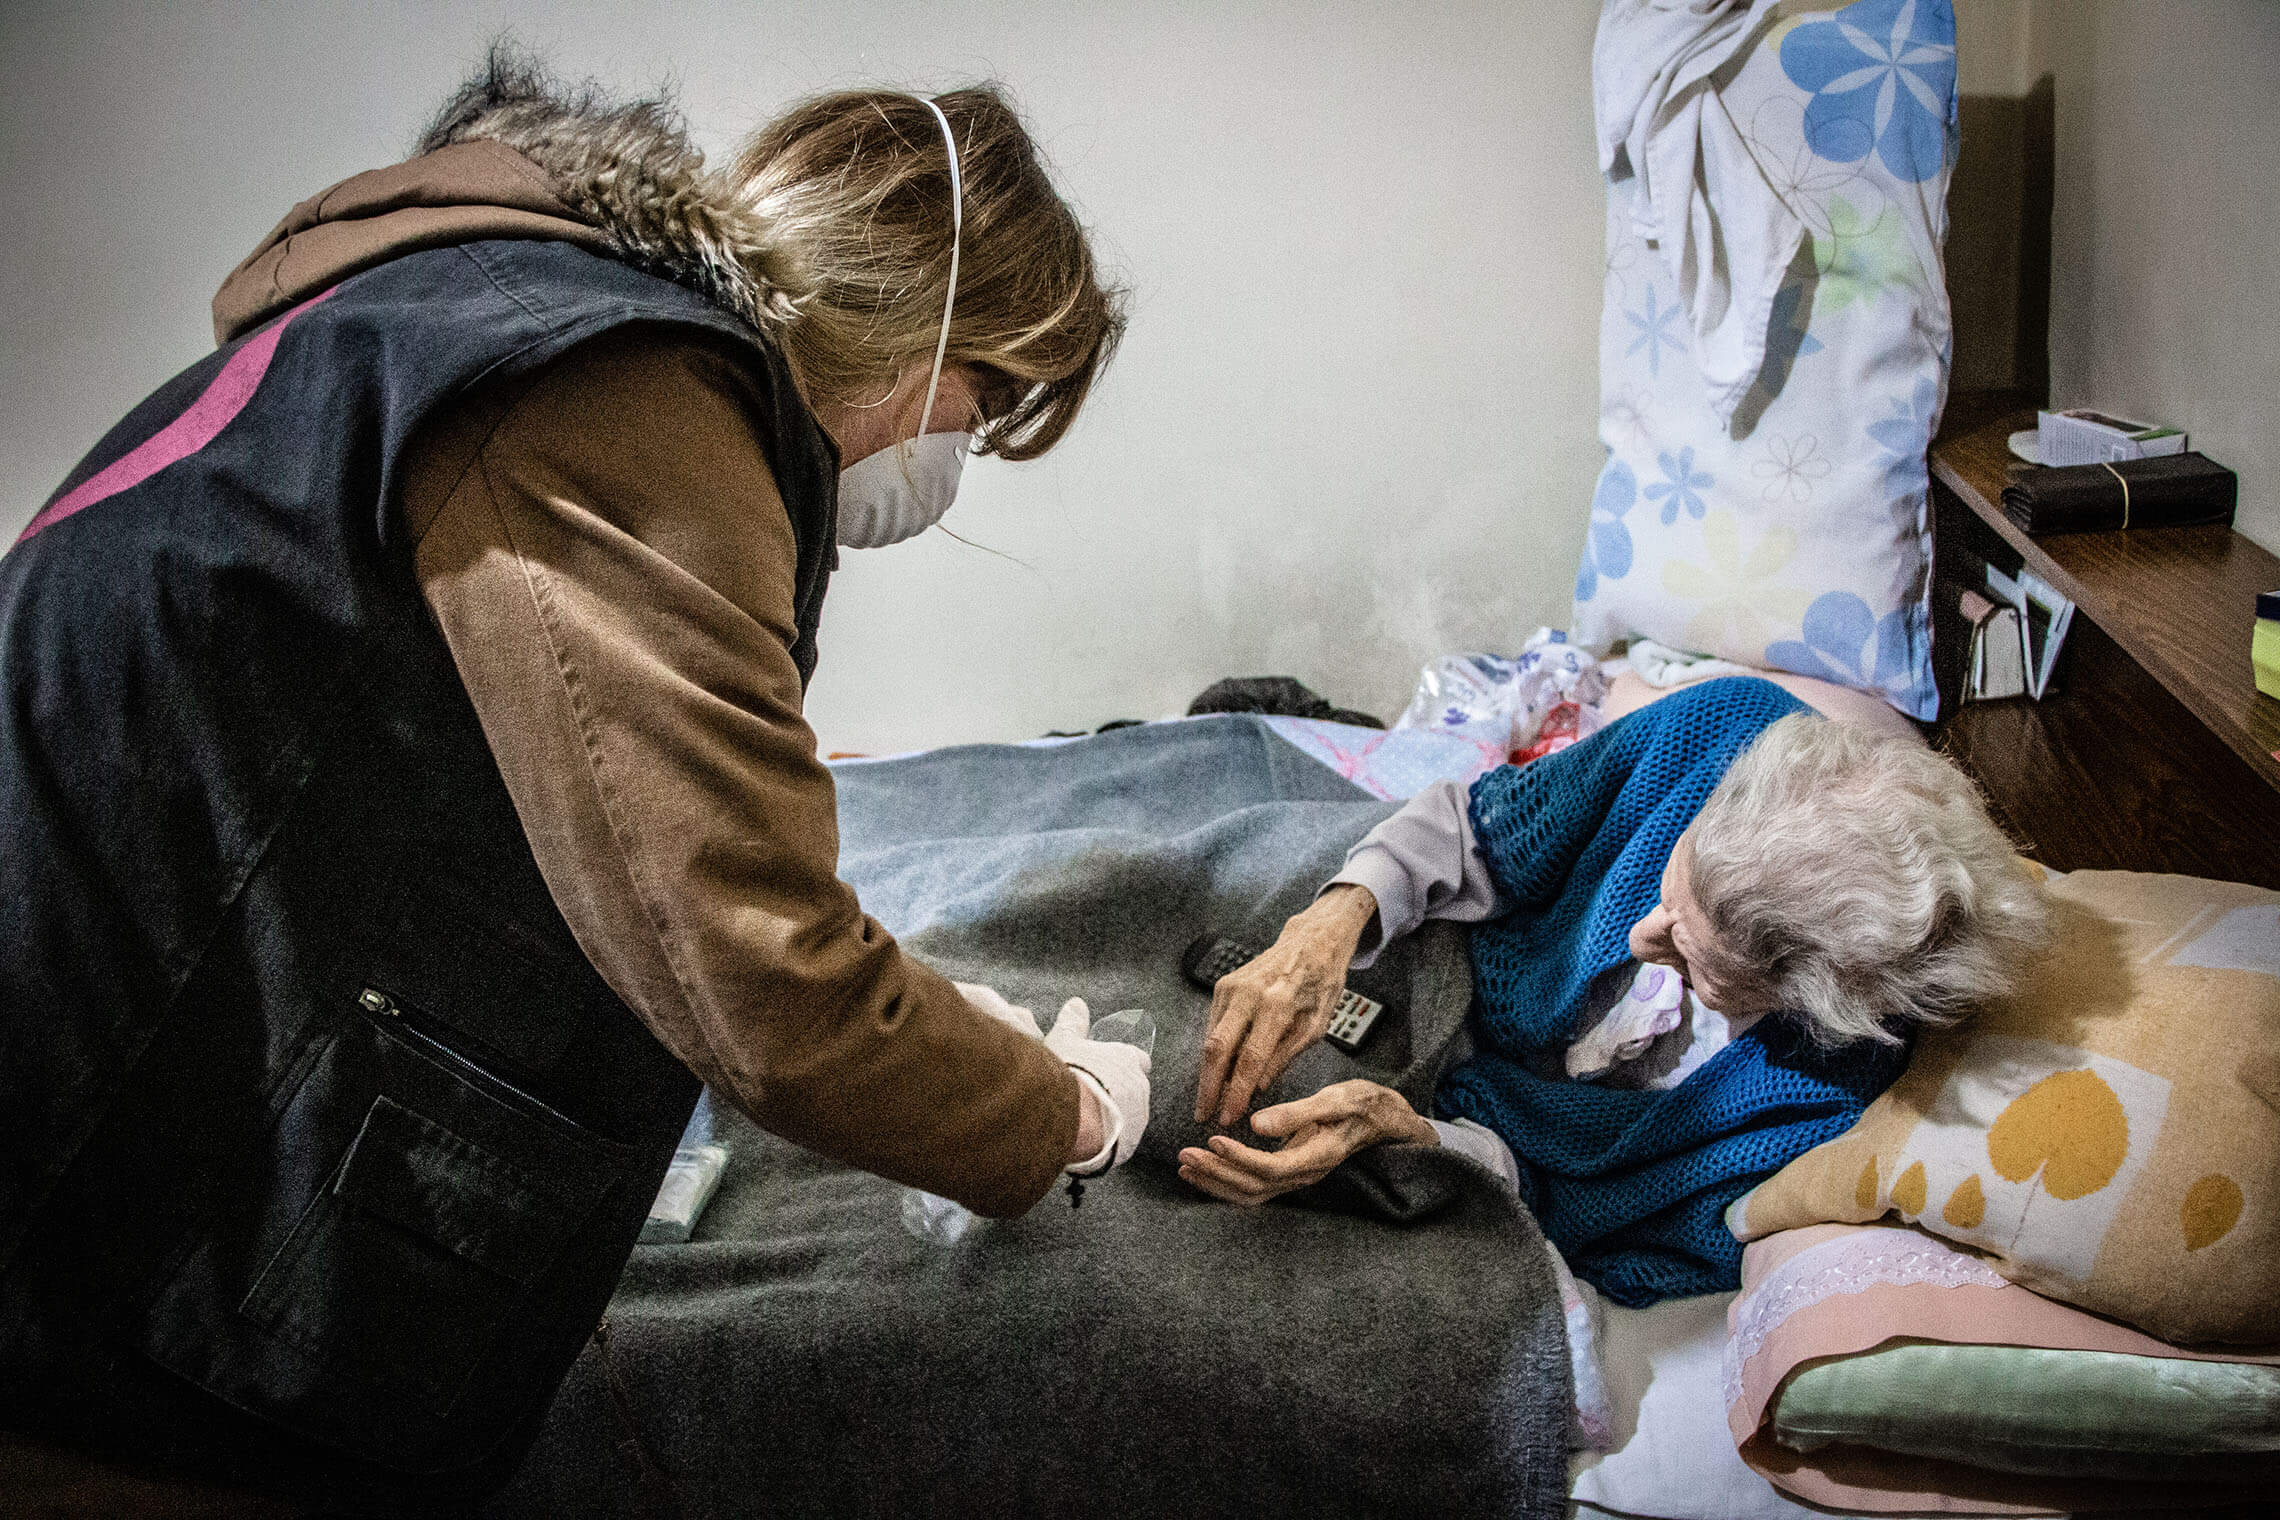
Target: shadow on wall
1998	245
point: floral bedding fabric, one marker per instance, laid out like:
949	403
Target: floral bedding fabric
1793	535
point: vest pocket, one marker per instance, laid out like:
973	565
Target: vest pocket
397	1261
419	1245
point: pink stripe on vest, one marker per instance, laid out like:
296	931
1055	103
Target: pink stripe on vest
216	407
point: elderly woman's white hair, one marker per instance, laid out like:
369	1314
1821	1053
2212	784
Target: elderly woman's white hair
1856	879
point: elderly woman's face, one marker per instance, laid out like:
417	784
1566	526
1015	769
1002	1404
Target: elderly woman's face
1676	933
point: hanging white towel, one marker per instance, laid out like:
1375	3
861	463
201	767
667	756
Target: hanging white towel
1726	233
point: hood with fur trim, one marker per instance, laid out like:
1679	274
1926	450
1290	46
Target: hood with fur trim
511	156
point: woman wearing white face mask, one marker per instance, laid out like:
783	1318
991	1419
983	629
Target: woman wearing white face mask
488	551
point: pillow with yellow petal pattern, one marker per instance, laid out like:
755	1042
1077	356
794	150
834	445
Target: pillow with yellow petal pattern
2111	1135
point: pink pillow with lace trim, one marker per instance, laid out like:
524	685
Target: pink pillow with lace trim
1836	1290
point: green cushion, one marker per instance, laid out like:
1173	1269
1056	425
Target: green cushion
2024	1409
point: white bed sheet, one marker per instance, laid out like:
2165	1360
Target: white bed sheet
1674	1458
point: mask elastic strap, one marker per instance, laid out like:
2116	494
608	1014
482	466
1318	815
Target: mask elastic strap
957	232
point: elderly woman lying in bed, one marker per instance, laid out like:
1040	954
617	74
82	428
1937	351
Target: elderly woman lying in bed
1700	939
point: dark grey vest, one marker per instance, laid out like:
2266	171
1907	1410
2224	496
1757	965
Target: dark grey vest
321	1143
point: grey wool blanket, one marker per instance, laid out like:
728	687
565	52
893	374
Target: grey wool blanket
1389	1344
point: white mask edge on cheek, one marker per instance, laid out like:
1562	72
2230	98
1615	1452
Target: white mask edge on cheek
900	491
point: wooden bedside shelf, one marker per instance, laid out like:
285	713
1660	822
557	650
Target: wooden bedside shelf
2155	753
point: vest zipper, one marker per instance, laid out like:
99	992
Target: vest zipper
403	1022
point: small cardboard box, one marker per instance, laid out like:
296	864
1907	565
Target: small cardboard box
2079	435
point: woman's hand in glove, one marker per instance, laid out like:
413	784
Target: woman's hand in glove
1097	1127
1121	1072
1317	1133
1263	1014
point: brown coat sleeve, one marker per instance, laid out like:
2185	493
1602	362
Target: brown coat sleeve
612	569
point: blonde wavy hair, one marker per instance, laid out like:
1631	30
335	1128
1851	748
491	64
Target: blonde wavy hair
830	230
855	188
1856	879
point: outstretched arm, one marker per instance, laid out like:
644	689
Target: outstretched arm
611	566
1421	863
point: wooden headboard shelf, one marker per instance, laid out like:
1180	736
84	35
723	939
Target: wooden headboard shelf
2156	751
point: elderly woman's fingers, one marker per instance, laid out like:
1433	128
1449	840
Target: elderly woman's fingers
1251	1064
1295	1041
1227	1184
1362	1112
1285	996
1249	1012
1230	1021
1309	1156
1223	1179
1337	1101
1244	1174
1252	1008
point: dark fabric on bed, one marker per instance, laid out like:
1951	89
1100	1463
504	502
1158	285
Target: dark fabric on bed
1399	1351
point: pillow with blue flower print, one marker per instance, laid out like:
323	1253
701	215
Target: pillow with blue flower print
1795	534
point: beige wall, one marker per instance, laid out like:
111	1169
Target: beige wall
1353	425
1993	46
2165	266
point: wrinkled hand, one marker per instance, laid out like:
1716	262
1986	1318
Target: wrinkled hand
1317	1132
1265	1013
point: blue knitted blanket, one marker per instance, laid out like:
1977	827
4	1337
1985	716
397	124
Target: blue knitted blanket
1632	1186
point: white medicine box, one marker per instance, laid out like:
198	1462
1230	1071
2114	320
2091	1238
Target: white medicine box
2079	435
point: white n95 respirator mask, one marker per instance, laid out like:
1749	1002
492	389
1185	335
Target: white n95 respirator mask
901	491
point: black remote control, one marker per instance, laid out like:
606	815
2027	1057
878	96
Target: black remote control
1210	958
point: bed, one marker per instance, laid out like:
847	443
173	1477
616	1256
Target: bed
1391	1343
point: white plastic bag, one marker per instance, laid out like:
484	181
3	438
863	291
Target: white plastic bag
1499	700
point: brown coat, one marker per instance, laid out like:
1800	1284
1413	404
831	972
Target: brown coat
606	554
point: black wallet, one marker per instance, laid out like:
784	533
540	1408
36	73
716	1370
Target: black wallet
2171	491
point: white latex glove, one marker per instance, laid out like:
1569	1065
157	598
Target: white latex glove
992	1002
1118	1071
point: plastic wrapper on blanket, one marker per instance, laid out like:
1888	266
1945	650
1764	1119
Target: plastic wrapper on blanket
1501	701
